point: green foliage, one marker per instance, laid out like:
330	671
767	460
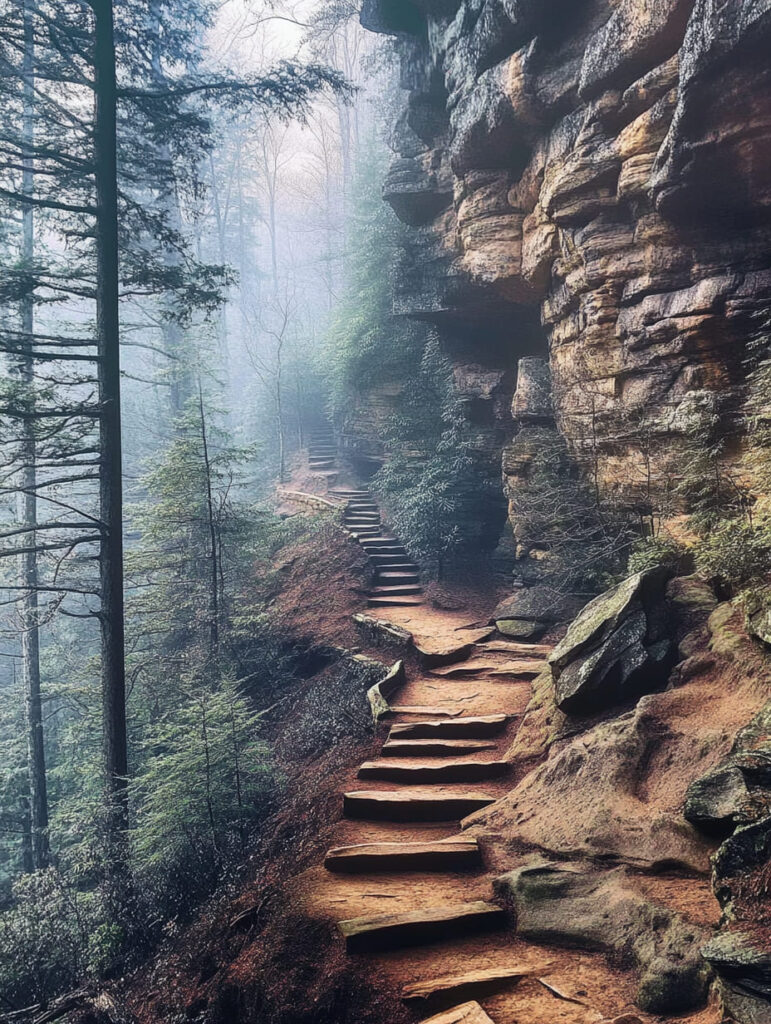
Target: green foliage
734	546
579	539
648	552
206	779
366	344
51	937
433	477
735	552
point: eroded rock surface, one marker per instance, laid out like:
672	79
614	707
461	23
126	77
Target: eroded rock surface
572	905
589	184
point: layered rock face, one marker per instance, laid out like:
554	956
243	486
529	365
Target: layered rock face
589	182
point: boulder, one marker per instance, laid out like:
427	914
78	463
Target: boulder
568	904
619	647
532	400
738	791
529	612
757	614
742	962
742	855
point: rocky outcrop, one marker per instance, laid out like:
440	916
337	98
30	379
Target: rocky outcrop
592	798
589	184
529	612
568	904
620	646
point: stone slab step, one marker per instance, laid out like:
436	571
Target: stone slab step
450	771
362	506
347	492
445	855
480	983
421	709
470	727
510	647
419	927
435	748
466	1013
393	578
528	667
393	561
386	542
397	591
415	805
393	602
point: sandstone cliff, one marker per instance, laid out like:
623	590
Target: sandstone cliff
588	183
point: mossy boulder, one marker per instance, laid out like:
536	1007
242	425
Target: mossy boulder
530	611
620	646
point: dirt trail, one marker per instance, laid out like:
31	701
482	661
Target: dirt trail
557	985
426	940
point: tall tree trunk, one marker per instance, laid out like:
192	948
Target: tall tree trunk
28	570
172	334
214	609
110	477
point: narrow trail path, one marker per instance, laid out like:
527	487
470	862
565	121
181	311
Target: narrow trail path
407	889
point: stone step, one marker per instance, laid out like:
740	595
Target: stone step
421	709
470	727
435	748
362	517
444	855
393	602
377	548
466	1013
386	542
389	560
528	667
509	647
347	492
419	927
397	590
416	774
362	506
321	463
479	983
397	579
414	805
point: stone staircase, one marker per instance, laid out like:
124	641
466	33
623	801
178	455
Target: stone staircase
322	451
441	760
432	755
397	577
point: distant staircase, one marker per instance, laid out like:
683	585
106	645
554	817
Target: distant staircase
322	451
397	577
